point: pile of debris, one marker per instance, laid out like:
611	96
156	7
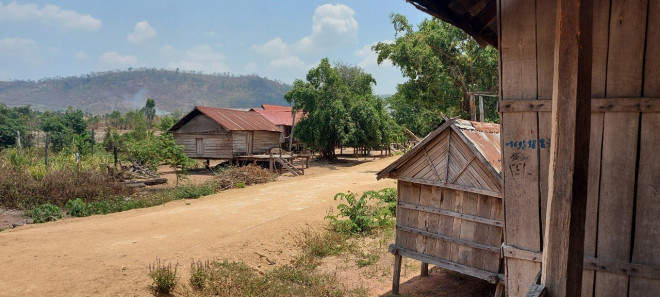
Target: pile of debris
135	176
234	177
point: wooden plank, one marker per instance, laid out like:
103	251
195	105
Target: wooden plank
648	273
451	186
476	153
620	138
514	252
435	171
482	234
446	202
458	241
485	275
598	82
452	214
563	245
423	245
520	168
646	246
598	104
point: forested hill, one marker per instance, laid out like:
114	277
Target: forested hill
103	92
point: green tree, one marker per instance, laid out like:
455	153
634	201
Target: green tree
14	121
442	63
149	111
340	108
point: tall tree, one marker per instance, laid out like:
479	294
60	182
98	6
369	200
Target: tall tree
149	111
340	108
442	64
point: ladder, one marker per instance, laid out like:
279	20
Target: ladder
286	164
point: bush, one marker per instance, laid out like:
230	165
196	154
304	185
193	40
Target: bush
361	216
194	191
77	208
45	213
165	278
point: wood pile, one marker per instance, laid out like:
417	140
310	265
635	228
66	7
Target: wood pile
247	175
135	176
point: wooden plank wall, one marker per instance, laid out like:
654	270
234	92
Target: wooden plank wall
623	202
201	124
264	140
445	234
216	146
240	144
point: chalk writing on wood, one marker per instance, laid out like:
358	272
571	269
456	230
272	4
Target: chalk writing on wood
517	165
543	143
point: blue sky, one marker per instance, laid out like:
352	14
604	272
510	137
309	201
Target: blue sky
278	39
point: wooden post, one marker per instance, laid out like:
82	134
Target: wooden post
396	277
473	109
293	125
481	108
563	248
46	151
425	270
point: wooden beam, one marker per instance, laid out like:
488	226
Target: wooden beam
481	108
453	180
597	105
428	159
473	108
452	214
485	247
563	245
450	186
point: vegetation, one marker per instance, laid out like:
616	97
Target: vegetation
105	92
443	64
360	215
164	276
340	108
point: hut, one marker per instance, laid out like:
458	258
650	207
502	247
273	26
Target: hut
221	133
579	101
449	210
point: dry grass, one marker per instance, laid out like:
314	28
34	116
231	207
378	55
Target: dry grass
239	177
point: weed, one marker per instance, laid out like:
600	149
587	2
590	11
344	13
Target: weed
164	276
192	191
361	215
76	208
315	245
45	213
240	185
199	274
367	259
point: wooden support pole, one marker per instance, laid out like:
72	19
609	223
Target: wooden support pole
563	248
473	108
396	277
425	270
481	109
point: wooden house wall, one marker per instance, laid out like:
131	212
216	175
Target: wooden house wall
460	230
264	140
240	142
623	201
215	146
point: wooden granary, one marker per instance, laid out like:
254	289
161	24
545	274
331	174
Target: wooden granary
221	133
580	114
449	210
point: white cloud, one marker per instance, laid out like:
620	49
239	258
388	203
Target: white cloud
287	62
49	14
114	59
16	45
369	58
332	26
199	58
80	55
142	32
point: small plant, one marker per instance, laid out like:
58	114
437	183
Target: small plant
194	191
45	213
77	208
367	259
240	185
199	274
164	276
361	215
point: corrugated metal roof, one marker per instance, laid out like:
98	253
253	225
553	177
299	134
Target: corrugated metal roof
486	138
276	107
238	120
279	117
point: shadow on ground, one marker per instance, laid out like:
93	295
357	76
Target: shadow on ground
442	282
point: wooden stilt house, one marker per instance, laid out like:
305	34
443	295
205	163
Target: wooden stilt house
450	209
580	104
220	133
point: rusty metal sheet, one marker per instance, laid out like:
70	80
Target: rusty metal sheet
486	138
279	117
238	120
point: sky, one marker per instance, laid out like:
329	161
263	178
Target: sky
280	40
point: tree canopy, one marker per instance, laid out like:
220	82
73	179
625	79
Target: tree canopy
340	108
443	64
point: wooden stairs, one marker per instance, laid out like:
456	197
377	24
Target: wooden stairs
286	164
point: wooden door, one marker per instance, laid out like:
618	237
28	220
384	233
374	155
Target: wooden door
199	146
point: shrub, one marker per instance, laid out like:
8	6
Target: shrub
194	191
45	213
164	276
77	208
361	216
199	274
240	185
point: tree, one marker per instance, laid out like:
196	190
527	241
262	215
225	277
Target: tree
149	111
339	108
14	121
442	63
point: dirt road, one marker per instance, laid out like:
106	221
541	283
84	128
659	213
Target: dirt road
108	255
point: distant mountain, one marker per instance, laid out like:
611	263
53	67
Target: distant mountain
104	92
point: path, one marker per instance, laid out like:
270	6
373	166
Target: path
108	255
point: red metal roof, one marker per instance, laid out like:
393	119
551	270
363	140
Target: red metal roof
238	120
486	138
276	107
280	117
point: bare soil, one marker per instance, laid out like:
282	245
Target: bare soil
108	255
